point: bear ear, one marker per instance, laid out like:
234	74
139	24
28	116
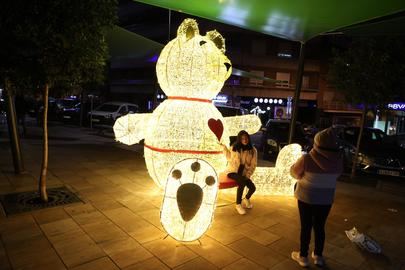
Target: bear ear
218	40
188	29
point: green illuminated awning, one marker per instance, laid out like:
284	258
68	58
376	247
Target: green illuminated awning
294	20
125	44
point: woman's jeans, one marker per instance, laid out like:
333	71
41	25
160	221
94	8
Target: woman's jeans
243	182
312	216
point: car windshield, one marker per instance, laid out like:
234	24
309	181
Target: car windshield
68	102
281	130
108	108
373	135
369	135
231	111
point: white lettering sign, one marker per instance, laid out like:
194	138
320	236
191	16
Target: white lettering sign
396	106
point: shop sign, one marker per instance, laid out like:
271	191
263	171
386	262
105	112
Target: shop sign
397	106
221	99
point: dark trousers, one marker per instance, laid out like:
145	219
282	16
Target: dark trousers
243	182
312	216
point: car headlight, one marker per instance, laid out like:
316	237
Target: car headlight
272	142
364	159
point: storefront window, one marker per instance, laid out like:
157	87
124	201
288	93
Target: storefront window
401	125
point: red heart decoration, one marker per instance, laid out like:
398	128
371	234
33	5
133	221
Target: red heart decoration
216	127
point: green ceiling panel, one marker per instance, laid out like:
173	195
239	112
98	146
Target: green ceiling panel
125	45
298	20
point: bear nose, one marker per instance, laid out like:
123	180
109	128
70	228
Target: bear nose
228	66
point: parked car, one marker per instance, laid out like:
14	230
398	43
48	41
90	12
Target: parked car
107	113
64	104
56	107
71	114
378	153
275	137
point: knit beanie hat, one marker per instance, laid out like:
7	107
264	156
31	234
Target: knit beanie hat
326	140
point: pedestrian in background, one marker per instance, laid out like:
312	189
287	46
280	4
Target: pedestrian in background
317	173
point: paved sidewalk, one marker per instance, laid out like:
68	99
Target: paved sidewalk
118	226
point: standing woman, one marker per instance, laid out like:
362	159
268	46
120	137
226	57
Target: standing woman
242	161
316	173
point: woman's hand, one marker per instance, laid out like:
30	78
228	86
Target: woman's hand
223	146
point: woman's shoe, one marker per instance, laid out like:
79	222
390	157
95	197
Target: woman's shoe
318	260
302	261
247	204
240	209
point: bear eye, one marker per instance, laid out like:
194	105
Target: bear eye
202	42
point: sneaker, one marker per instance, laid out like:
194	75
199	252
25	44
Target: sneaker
318	260
240	209
247	204
302	261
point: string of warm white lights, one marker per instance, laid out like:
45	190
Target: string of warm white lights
277	180
192	65
131	128
251	123
189	201
182	125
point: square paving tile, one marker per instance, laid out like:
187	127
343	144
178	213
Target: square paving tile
100	264
256	252
148	264
197	264
73	245
214	252
125	252
244	264
170	251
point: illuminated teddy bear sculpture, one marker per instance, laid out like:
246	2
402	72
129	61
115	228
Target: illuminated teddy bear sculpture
182	135
186	128
191	70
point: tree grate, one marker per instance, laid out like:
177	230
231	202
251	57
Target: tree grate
20	202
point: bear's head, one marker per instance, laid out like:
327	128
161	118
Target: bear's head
192	65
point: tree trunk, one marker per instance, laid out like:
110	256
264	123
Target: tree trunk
13	130
356	154
44	167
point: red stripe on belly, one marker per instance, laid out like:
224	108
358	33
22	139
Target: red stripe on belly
182	151
190	99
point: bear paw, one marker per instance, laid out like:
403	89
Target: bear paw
189	201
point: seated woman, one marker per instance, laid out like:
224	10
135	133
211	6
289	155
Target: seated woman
242	161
